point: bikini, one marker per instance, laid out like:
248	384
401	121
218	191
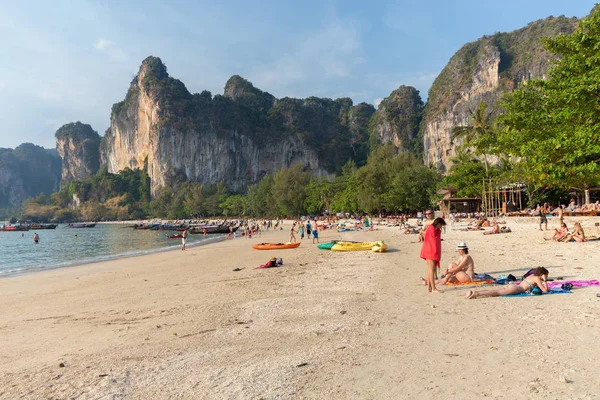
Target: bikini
531	285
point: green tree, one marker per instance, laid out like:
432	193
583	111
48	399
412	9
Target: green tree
551	126
289	190
480	135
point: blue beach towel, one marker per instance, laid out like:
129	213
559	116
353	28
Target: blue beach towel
551	291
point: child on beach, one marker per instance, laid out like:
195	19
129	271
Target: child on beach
538	278
431	251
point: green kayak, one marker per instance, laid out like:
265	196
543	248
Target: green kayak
327	246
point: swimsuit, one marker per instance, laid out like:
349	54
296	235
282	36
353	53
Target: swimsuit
531	285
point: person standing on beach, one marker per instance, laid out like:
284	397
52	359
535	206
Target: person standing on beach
293	233
308	229
301	230
315	233
431	251
543	219
184	237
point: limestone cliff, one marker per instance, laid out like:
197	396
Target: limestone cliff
27	171
237	137
78	145
482	71
397	119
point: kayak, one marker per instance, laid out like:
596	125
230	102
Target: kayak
327	246
378	247
275	246
175	236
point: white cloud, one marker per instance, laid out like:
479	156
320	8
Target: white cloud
377	101
50	95
101	44
327	53
109	47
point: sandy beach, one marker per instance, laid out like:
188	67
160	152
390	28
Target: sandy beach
326	325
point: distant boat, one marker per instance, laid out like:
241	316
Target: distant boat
212	229
80	226
43	226
14	228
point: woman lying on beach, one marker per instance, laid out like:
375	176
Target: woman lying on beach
462	271
495	230
578	235
538	278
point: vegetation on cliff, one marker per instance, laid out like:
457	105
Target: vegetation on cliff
85	154
546	135
397	120
519	51
388	183
26	171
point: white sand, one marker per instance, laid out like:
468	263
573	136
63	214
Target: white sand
326	325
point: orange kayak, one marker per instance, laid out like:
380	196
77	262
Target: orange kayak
275	246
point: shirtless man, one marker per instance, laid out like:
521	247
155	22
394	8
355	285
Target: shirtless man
462	271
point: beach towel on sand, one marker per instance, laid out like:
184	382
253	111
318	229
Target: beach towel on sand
432	245
484	282
576	283
556	290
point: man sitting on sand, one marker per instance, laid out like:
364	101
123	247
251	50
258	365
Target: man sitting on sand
462	271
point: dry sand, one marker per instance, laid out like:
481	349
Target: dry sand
326	325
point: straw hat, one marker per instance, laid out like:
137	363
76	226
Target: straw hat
273	259
462	246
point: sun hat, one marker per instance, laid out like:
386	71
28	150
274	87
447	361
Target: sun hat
273	259
462	246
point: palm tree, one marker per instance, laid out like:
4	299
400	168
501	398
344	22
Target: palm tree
480	135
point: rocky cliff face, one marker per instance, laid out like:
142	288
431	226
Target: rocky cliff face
27	171
79	148
237	137
397	119
482	71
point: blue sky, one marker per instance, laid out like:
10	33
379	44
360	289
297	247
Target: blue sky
63	61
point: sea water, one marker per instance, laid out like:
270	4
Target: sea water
64	247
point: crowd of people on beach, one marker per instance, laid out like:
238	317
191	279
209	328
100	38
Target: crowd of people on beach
463	270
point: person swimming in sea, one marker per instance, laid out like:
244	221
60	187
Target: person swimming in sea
537	279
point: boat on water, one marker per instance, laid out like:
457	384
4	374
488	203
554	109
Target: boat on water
212	229
14	228
275	246
43	226
80	225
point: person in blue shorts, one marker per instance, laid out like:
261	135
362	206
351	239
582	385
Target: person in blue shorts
315	234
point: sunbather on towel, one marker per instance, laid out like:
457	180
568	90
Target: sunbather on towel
462	271
538	278
495	230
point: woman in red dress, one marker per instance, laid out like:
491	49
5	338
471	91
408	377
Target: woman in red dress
431	251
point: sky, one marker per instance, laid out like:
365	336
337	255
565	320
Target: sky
65	61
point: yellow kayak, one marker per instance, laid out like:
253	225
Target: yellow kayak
378	247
